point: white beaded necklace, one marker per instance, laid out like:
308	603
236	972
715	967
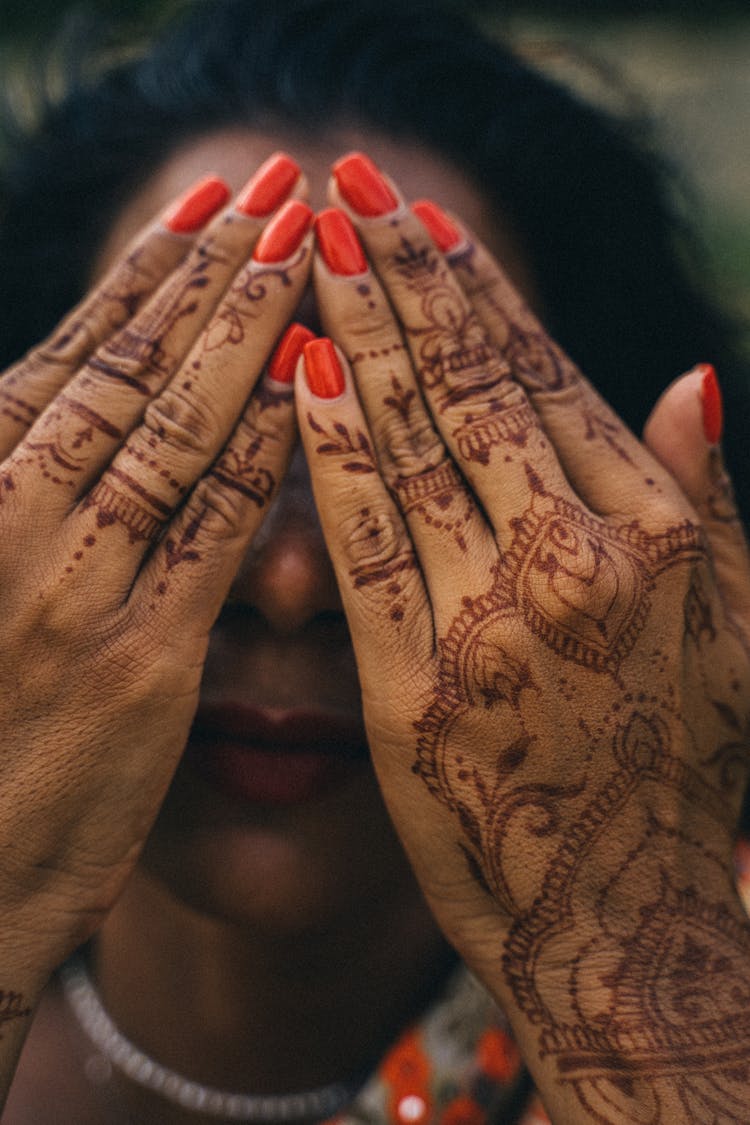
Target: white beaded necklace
86	1005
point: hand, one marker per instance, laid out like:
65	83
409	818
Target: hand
140	449
543	646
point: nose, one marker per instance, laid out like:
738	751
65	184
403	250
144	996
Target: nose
286	575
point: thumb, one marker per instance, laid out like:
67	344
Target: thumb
683	432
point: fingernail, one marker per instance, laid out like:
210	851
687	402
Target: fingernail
338	243
284	233
193	209
323	369
711	404
283	362
443	232
269	187
362	186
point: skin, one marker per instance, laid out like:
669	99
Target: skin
259	908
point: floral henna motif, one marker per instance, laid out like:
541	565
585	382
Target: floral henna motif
401	399
674	998
238	469
342	442
454	348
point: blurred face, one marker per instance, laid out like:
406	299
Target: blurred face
274	819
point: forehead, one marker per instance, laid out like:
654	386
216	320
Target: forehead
235	153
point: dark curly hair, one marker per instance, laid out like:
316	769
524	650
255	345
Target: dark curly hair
594	209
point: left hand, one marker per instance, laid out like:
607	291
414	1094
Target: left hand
543	645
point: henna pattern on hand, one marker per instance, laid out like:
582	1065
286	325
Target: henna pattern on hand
455	350
634	978
439	496
113	505
343	442
497	425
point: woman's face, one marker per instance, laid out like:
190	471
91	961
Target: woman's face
274	818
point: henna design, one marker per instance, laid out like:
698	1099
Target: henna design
342	443
600	578
113	506
181	550
453	343
401	399
635	1035
139	348
253	284
237	469
376	353
15	408
12	1007
698	615
438	495
498	425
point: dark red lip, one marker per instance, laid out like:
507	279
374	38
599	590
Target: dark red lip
270	756
286	730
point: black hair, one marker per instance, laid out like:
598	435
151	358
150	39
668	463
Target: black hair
614	264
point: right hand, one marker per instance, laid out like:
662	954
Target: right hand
137	462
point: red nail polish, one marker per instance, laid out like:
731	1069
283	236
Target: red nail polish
362	186
444	233
193	209
323	369
284	233
283	362
338	243
269	187
711	403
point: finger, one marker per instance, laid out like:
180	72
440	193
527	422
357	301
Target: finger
185	427
481	411
601	457
188	576
83	426
372	554
683	432
30	384
444	521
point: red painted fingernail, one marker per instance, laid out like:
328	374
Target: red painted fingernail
269	187
362	186
443	232
193	209
284	233
323	369
338	243
283	362
711	403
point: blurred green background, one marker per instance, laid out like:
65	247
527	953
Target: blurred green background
686	61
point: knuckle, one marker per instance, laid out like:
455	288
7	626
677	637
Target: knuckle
406	451
371	334
218	506
375	546
184	423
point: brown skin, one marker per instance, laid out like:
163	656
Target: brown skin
258	908
545	643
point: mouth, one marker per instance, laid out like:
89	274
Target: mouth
275	756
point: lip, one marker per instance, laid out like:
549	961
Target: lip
275	756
